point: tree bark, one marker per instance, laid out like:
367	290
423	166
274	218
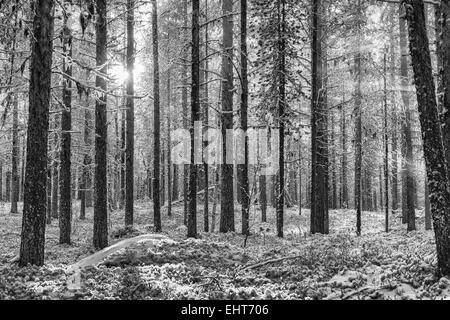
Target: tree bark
15	156
434	153
358	137
281	115
227	196
386	149
86	195
100	239
344	192
195	116
35	198
206	122
169	142
65	188
184	102
408	179
156	124
319	139
129	151
245	192
394	118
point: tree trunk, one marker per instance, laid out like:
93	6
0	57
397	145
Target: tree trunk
129	151
86	195
262	143
35	198
344	194
15	157
15	130
434	154
227	197
195	116
100	238
8	186
281	115
245	192
215	196
386	150
87	161
123	156
169	155
206	122
394	118
65	202
334	201
300	203
358	140
319	139
22	170
408	179
156	124
49	193
184	101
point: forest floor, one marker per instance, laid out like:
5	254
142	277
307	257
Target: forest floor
377	265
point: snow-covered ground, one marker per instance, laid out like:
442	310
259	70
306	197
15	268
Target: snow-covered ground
377	265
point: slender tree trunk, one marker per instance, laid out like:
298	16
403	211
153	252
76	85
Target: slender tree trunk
35	198
434	153
162	190
300	175
87	161
169	142
408	185
195	116
15	157
334	203
344	196
49	193
281	115
8	186
123	157
65	202
156	123
55	171
184	99
358	138
227	197
22	170
394	116
100	238
206	123
15	130
86	195
129	151
245	192
386	149
319	139
175	191
215	196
